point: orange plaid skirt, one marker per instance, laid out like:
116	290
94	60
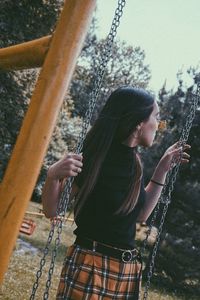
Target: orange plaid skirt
91	275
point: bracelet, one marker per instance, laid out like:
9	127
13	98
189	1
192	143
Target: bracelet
158	183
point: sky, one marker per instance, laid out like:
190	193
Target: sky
167	30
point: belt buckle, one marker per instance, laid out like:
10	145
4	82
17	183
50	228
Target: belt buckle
127	256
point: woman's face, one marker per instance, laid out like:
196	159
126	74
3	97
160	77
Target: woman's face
148	128
146	131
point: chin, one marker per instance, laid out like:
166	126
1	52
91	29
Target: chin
146	144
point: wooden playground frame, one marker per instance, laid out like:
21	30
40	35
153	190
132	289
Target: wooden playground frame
57	55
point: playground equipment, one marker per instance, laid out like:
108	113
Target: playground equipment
37	127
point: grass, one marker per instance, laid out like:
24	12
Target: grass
22	269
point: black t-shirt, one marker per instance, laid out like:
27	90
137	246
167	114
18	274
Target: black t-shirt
97	220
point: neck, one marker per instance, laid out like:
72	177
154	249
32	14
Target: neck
131	142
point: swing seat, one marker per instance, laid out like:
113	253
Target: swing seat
27	226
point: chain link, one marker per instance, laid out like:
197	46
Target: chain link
169	186
64	201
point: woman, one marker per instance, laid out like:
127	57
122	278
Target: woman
110	198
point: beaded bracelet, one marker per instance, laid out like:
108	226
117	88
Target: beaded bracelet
158	183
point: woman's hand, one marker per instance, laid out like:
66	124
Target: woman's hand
70	165
173	155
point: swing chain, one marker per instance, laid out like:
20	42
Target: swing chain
42	263
106	55
63	203
170	180
61	211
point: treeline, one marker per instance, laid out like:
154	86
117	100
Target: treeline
26	20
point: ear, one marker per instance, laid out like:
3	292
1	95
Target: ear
139	126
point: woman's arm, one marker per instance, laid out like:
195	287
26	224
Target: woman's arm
70	165
153	190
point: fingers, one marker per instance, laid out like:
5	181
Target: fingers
179	156
184	161
76	163
176	148
186	147
73	164
180	145
76	169
74	156
185	157
70	165
72	173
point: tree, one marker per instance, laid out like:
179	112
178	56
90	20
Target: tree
126	67
180	240
25	20
20	21
64	139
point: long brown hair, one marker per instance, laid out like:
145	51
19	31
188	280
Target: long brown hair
125	108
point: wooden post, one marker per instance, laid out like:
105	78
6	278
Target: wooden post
29	151
26	55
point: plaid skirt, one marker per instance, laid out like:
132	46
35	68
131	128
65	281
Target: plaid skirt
91	275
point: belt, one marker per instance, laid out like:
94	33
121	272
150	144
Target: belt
125	255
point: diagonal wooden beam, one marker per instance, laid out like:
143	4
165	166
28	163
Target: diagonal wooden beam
29	151
26	55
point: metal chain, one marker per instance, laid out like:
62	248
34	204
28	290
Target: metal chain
170	181
63	203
